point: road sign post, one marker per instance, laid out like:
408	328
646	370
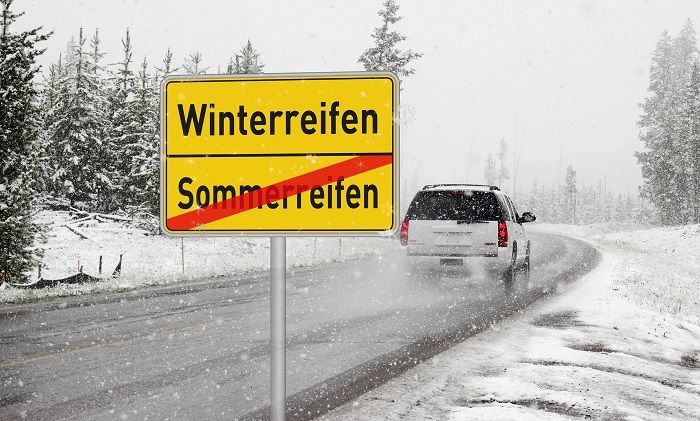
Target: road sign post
280	155
278	327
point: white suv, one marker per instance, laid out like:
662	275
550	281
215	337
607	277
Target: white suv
455	221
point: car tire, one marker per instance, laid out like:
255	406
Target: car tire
526	263
509	274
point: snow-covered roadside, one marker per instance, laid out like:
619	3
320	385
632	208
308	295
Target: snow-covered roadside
621	343
660	268
157	259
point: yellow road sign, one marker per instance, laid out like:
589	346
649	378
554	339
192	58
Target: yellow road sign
308	154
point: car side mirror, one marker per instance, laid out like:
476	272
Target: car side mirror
527	217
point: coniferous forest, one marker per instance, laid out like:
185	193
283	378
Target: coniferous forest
670	130
100	129
83	133
668	154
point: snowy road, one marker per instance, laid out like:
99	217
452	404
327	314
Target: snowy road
200	350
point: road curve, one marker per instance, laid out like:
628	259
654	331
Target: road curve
200	350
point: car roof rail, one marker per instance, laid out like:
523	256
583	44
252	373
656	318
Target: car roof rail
430	186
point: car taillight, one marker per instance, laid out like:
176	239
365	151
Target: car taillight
404	232
502	234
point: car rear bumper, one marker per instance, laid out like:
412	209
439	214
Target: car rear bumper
498	259
455	255
418	249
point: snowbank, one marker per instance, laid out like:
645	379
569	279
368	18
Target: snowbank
621	343
660	267
156	259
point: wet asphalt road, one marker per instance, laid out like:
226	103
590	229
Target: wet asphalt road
200	350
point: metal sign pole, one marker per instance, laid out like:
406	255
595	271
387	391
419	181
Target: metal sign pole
278	327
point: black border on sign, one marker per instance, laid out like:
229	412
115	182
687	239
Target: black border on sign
280	78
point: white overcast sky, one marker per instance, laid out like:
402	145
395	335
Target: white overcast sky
566	77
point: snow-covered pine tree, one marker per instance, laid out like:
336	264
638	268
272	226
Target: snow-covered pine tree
100	103
247	62
570	185
692	145
688	132
96	54
145	164
685	55
603	204
384	55
124	129
193	65
658	125
502	175
19	130
490	170
619	212
43	152
165	69
54	125
145	160
666	161
82	175
57	125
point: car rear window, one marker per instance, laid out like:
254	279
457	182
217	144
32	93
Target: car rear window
454	205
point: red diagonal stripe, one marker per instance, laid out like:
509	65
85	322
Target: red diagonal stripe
294	186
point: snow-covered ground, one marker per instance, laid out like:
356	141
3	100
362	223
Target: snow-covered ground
621	343
157	259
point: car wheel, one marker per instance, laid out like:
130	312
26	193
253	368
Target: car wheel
526	263
509	274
